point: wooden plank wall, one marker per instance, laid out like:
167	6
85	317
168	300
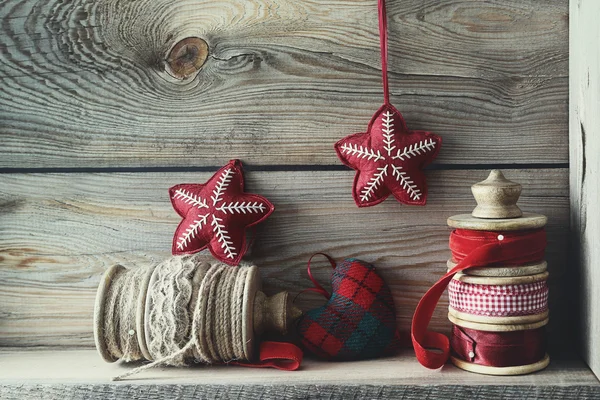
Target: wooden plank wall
94	129
585	170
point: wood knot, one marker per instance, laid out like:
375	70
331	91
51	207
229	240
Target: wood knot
187	57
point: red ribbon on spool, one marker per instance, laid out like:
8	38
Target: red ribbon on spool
470	249
499	349
464	241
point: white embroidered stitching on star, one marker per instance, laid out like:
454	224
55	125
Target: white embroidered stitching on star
223	237
241	208
222	185
190	198
388	132
415	149
191	231
362	152
374	183
407	184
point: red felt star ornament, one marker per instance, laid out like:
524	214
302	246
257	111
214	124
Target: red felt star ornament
216	214
389	158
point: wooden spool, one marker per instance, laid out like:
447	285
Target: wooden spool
501	280
497	211
489	370
105	282
521	319
487	327
108	277
260	313
527	221
506	371
503	271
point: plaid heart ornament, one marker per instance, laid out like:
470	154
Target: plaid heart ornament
359	319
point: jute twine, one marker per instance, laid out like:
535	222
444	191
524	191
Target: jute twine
194	314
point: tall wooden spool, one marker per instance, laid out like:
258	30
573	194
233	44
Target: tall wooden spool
497	211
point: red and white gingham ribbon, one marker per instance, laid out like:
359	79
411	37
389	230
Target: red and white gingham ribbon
498	300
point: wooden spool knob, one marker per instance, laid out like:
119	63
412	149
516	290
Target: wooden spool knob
496	197
263	314
274	314
497	208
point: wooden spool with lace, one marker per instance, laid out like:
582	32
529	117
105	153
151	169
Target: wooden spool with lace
258	313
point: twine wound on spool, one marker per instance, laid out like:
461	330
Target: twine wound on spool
185	310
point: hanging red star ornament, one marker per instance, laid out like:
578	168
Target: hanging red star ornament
388	158
216	214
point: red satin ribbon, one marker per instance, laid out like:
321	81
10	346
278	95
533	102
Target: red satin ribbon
383	42
278	355
318	288
486	248
499	349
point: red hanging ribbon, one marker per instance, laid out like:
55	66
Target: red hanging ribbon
318	288
279	355
499	349
383	42
480	249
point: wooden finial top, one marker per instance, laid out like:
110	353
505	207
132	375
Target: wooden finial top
496	197
497	208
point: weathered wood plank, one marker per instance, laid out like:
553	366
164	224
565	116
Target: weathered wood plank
84	82
85	367
585	171
59	232
292	391
43	374
508	37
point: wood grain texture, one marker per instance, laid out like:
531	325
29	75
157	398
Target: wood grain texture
82	373
59	232
585	171
31	366
292	391
84	81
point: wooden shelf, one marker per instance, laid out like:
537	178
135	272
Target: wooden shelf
82	373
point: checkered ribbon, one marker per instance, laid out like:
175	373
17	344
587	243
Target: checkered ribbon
498	300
